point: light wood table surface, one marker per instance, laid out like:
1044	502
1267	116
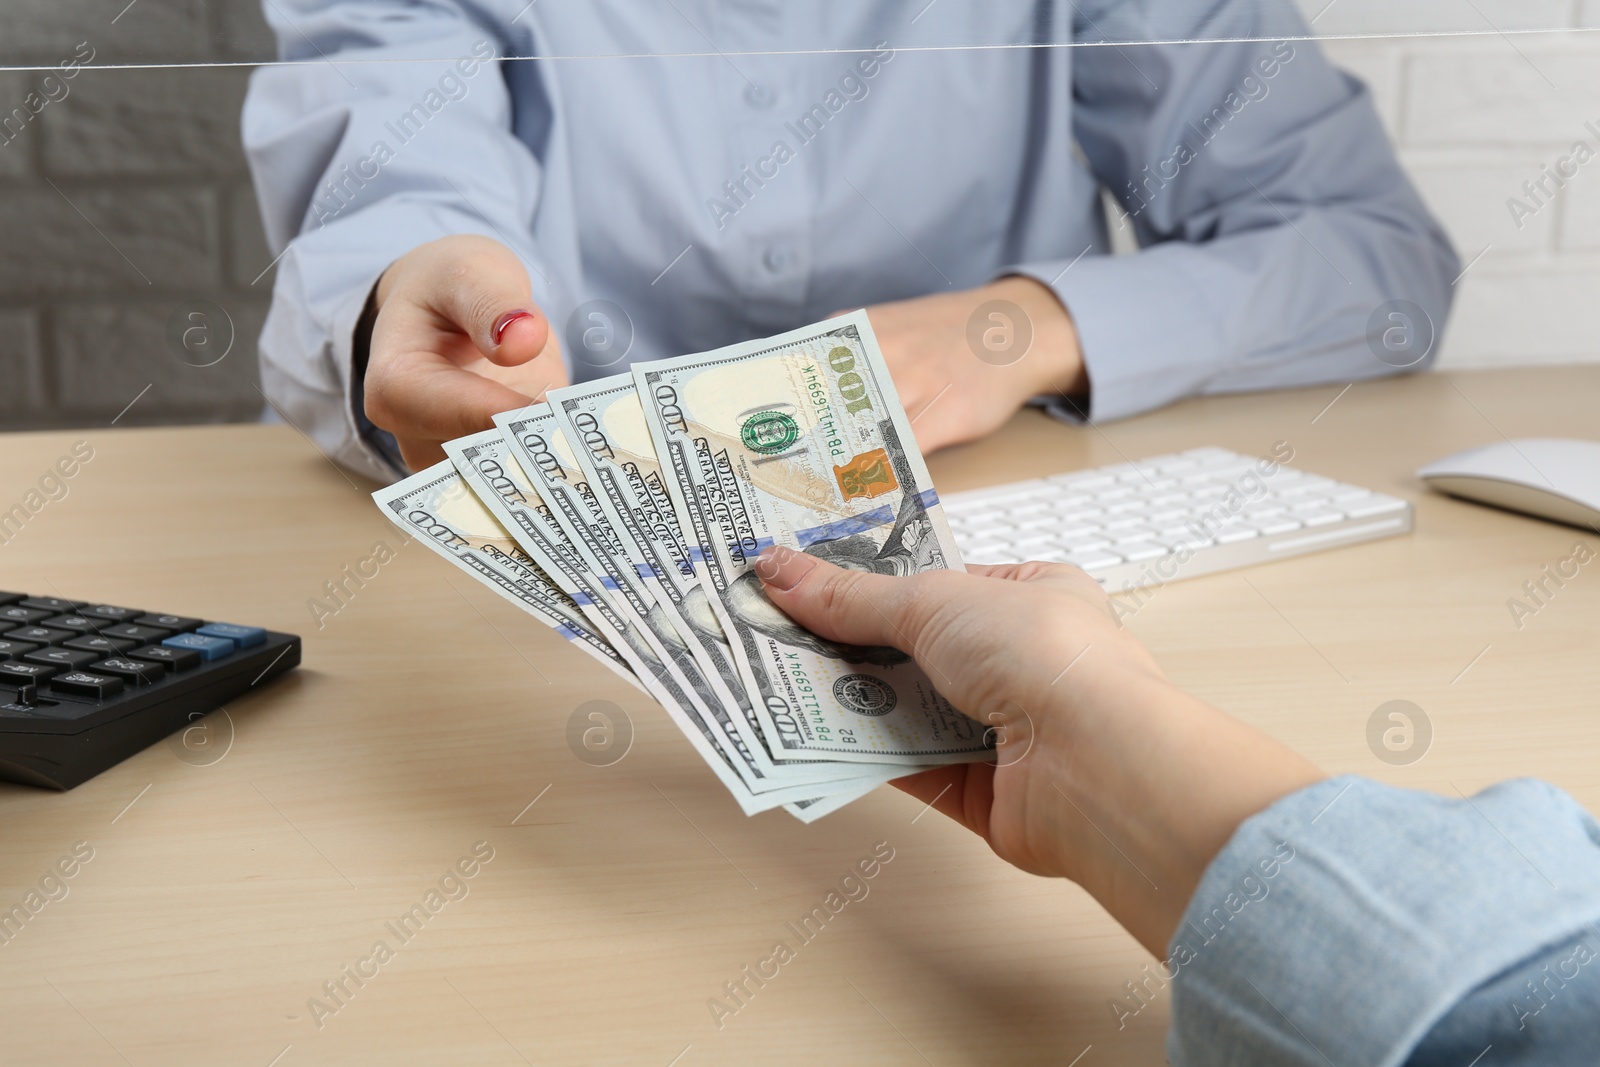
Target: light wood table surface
429	716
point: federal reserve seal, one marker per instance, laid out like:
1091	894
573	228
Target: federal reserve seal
769	432
864	694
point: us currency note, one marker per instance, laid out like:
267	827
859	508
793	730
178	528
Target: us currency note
439	509
800	440
604	422
486	463
547	456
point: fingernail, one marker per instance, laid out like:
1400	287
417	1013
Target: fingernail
782	568
506	320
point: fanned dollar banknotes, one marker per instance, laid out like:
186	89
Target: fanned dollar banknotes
627	515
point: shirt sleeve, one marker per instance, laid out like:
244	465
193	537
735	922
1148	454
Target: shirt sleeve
1352	922
356	148
1272	216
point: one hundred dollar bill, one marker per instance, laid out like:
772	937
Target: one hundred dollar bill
800	440
542	449
486	463
438	508
604	422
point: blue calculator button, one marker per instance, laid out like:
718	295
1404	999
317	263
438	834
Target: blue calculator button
210	648
243	636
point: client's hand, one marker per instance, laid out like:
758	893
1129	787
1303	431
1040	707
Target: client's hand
1106	773
457	339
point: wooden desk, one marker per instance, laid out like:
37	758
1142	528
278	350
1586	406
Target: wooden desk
430	716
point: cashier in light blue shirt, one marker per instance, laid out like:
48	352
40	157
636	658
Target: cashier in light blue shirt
476	199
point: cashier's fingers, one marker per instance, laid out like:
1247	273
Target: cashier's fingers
427	400
475	286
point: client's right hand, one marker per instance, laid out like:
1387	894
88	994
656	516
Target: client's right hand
1107	773
457	340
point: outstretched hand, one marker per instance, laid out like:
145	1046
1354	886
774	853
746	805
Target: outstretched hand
458	339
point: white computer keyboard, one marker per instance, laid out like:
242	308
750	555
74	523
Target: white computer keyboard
1147	523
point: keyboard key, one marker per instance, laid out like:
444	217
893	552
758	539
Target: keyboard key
1321	518
1143	550
1278	525
175	659
105	646
85	684
133	671
1088	561
1234	534
21	616
175	623
210	648
53	604
243	636
12	598
78	624
14	673
127	631
39	635
65	658
10	649
1380	506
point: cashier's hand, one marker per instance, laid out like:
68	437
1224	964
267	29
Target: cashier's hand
1105	772
457	340
964	362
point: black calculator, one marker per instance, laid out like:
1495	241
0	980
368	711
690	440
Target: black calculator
84	686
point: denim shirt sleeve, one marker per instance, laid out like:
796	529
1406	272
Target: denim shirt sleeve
1355	923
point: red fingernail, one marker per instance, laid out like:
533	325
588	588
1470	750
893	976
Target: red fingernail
500	324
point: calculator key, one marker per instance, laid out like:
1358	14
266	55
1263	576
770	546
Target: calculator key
65	658
175	659
243	636
53	604
39	635
78	624
106	646
14	673
132	671
127	631
106	611
10	649
85	684
175	623
210	648
21	616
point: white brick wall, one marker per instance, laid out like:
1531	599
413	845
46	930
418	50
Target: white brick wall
151	159
1474	117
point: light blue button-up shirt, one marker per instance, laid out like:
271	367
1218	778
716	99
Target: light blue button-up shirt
793	159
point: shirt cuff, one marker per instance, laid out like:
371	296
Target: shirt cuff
1347	919
1136	357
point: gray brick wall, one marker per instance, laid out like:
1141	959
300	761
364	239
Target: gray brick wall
126	204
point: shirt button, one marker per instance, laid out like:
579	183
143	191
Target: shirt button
778	257
759	96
